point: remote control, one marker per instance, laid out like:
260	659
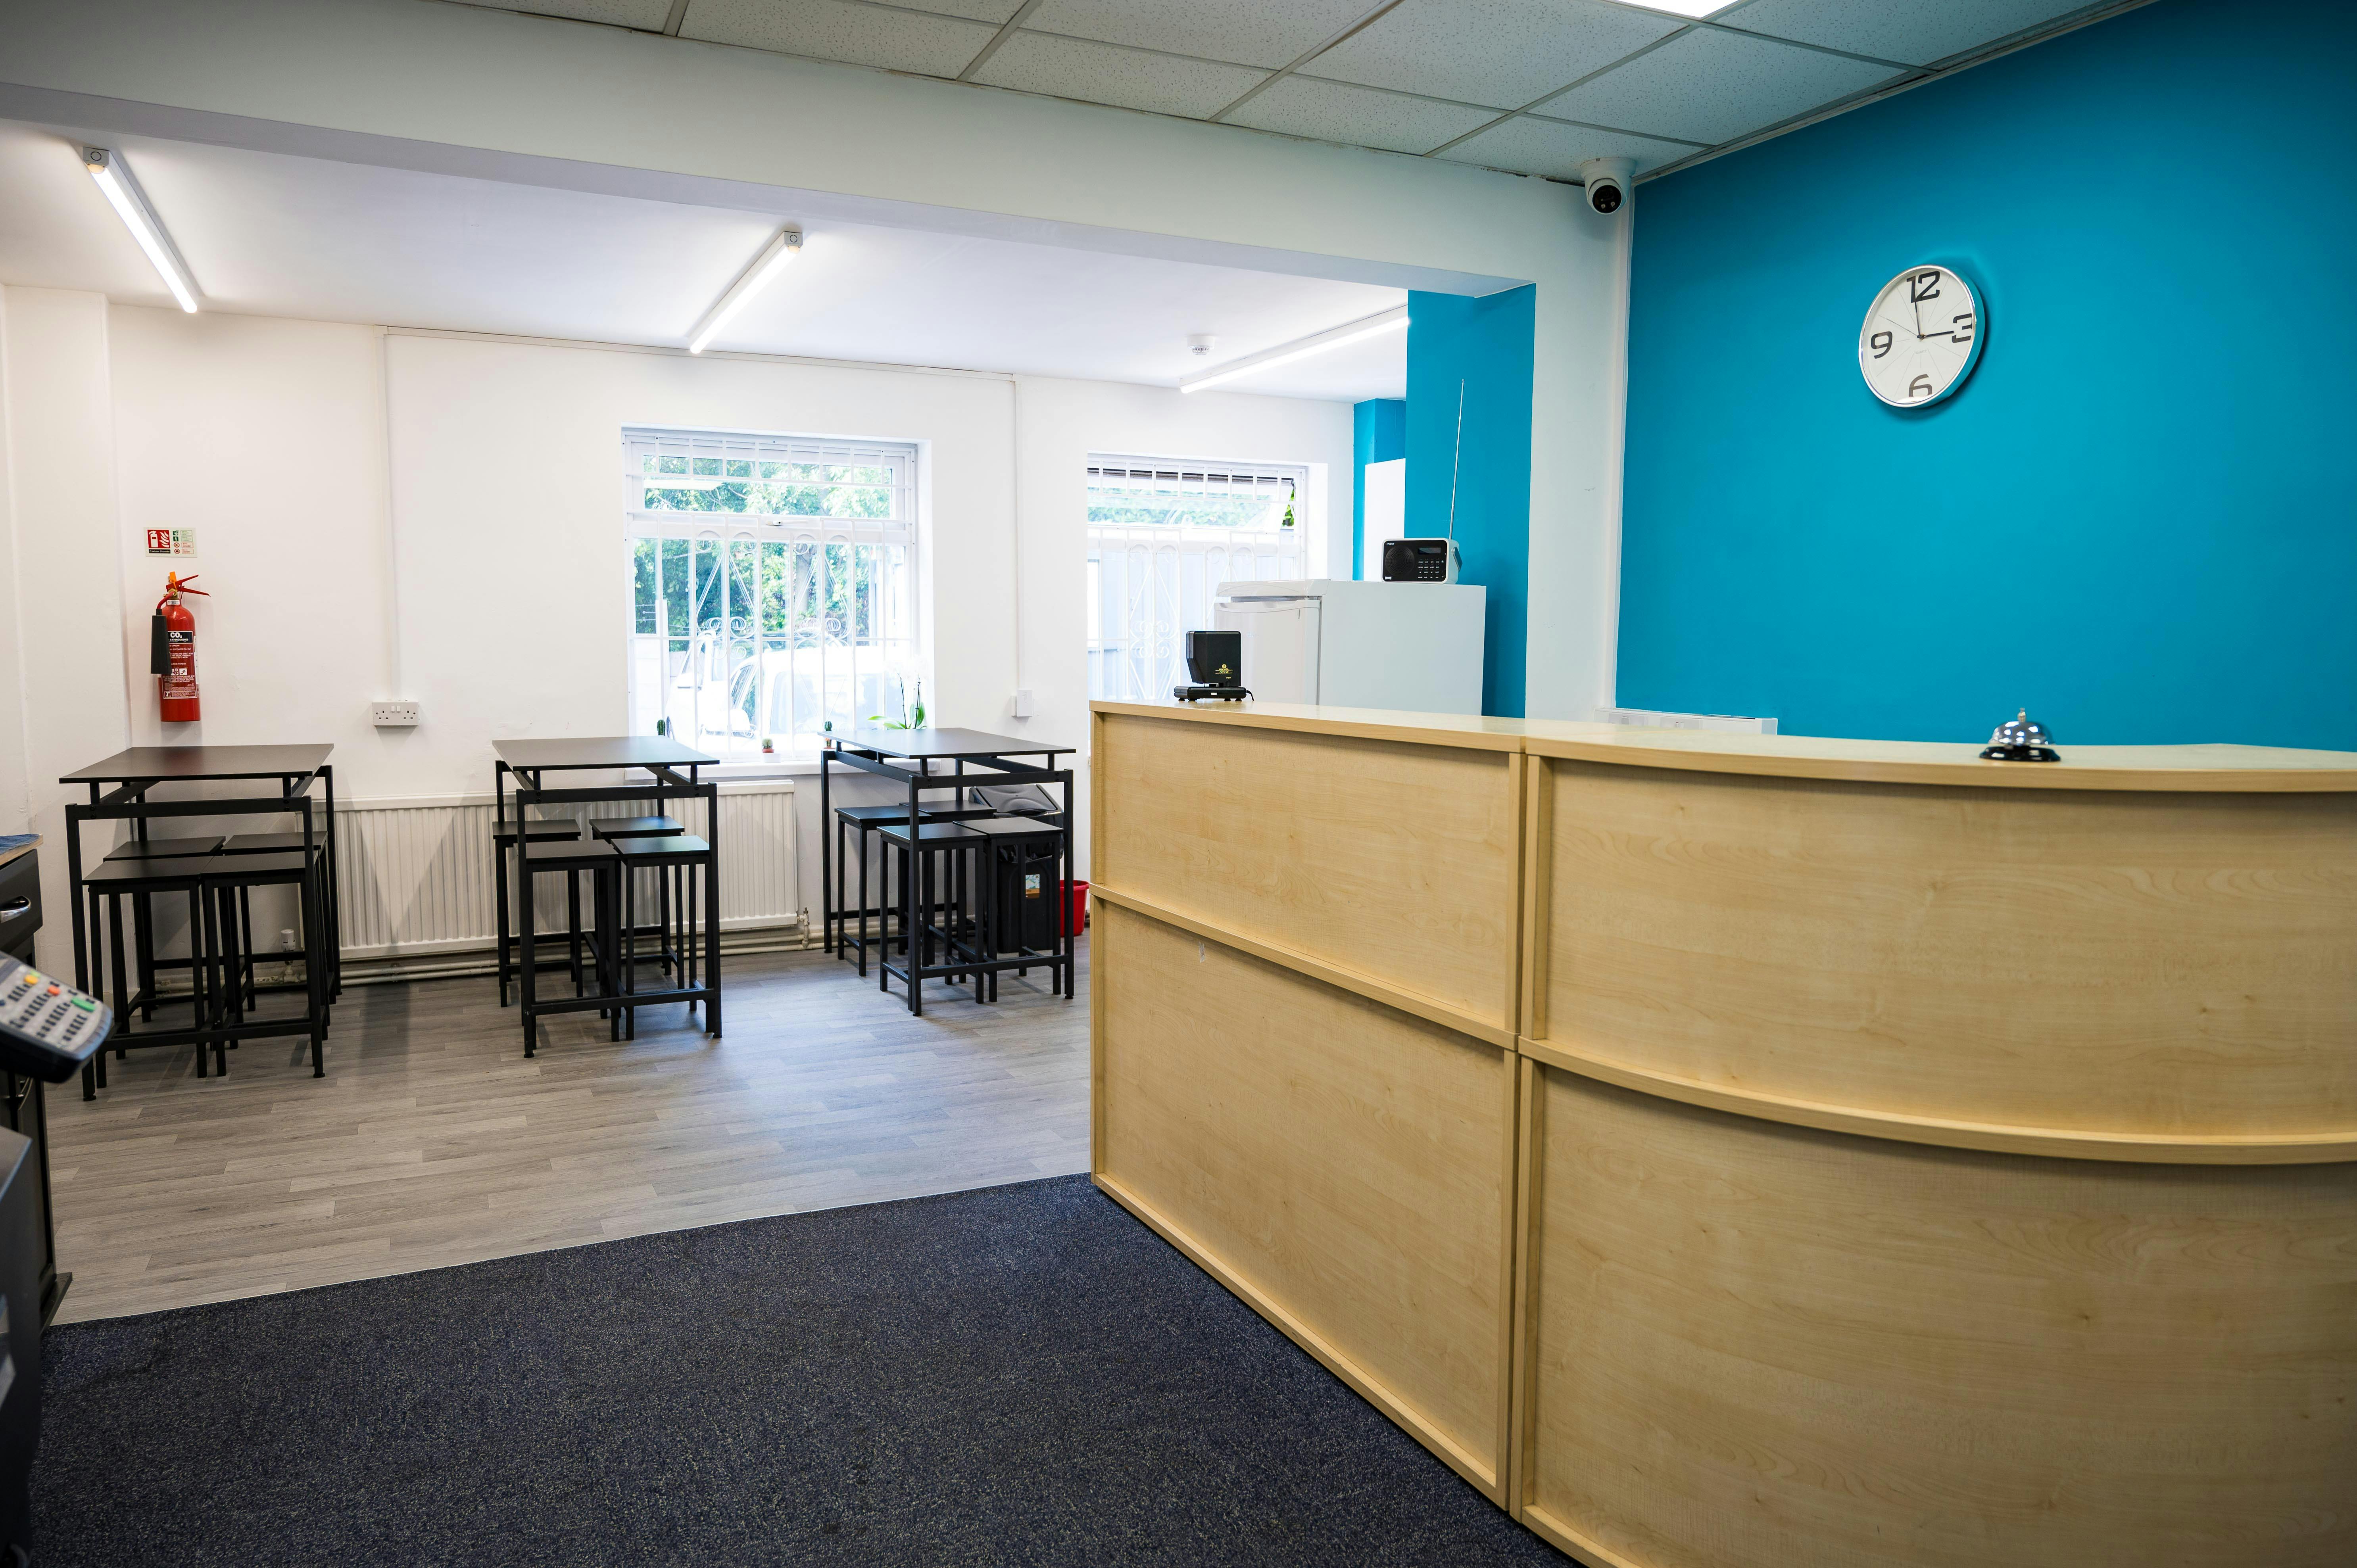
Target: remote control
47	1029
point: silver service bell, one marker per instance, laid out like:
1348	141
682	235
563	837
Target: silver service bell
2021	739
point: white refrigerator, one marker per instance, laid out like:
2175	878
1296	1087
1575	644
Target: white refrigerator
1415	647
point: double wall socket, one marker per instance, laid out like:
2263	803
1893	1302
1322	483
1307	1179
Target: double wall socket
393	715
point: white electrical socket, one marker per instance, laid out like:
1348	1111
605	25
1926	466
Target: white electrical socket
401	716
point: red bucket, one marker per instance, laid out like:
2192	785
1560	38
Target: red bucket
1076	905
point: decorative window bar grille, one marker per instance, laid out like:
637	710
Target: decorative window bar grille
773	586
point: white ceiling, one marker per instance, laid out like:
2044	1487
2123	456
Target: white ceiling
1528	86
276	235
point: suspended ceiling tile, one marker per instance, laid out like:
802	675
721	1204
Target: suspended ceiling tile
1501	52
1359	116
646	15
1528	144
1917	31
995	12
838	29
1711	86
1250	32
1126	78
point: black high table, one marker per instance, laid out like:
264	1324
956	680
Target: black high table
140	769
658	756
872	749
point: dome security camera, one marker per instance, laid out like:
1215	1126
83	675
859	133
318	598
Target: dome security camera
1608	182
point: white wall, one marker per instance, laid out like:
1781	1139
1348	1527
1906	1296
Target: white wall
16	782
269	438
533	100
263	436
67	619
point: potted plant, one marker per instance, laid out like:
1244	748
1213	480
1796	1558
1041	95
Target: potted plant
912	714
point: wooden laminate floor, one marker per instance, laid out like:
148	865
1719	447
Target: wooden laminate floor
432	1141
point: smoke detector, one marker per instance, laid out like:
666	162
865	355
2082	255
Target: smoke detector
1199	343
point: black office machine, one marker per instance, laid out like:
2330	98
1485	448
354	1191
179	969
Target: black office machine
1421	560
1216	660
46	1030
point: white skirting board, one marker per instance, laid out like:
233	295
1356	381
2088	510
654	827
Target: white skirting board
416	870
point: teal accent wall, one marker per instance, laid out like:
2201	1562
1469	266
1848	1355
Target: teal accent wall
2138	518
1484	346
1378	434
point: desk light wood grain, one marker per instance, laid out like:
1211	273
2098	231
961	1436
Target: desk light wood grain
1755	1346
1386	859
1918	1162
2166	965
1343	1167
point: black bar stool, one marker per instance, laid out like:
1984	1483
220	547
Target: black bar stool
228	881
634	827
142	880
286	843
1024	865
863	820
619	831
680	859
570	856
143	917
503	838
935	868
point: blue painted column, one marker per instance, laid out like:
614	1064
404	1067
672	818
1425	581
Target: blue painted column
1378	434
1481	349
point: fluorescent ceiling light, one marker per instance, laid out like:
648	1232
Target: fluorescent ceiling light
1391	320
773	260
130	204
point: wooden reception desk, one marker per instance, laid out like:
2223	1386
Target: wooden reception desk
1743	1152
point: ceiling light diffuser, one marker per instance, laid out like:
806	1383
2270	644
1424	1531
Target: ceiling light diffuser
1391	320
774	259
130	204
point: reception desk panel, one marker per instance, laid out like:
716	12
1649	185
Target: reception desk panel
1918	1162
1386	859
2162	963
1343	1165
1760	1346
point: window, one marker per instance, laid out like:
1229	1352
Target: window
773	585
1163	536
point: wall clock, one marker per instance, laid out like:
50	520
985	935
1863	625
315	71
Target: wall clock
1921	337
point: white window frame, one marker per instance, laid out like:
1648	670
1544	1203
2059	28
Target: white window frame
1148	583
808	669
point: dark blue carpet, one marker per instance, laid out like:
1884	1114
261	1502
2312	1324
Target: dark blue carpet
1023	1375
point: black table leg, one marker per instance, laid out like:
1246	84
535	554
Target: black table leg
332	920
318	930
527	946
828	864
500	897
712	908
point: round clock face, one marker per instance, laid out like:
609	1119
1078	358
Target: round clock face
1921	337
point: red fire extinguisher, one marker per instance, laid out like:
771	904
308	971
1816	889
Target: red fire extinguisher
172	652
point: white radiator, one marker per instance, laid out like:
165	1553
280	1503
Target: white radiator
416	870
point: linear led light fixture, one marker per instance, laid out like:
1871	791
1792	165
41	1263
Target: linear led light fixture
774	259
1391	320
130	204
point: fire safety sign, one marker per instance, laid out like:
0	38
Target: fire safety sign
171	542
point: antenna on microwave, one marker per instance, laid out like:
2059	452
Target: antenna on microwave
1454	459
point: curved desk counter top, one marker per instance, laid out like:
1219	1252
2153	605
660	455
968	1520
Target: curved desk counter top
1763	1152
